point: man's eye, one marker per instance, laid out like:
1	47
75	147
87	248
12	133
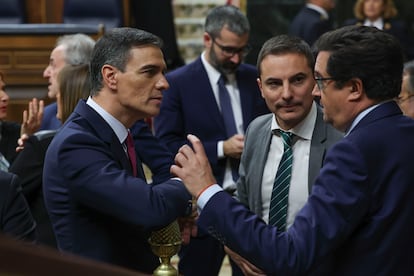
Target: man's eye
298	80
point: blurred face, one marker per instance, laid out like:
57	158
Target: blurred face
286	82
405	99
139	88
334	100
226	52
373	9
328	5
56	63
4	100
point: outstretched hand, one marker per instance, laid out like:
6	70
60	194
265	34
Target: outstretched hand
32	118
192	167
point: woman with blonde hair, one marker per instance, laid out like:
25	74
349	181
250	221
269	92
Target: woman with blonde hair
382	14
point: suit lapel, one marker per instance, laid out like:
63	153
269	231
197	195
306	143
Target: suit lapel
318	149
259	158
106	133
206	94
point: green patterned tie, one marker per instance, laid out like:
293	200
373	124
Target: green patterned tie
280	192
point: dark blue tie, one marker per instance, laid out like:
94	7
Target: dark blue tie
280	194
228	118
226	109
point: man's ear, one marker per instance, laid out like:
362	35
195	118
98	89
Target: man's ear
356	89
109	75
208	41
259	84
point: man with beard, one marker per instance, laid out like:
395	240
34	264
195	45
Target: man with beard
196	103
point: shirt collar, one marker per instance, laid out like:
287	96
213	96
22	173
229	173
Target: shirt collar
359	117
305	128
379	23
322	11
212	73
119	129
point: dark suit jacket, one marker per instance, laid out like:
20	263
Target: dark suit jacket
256	150
156	156
97	208
15	217
189	106
29	167
158	159
396	28
49	121
309	25
359	212
10	132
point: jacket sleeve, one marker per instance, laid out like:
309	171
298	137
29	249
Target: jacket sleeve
16	218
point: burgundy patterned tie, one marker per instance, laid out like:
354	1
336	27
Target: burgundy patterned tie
131	153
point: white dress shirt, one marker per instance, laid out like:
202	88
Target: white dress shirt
298	189
231	85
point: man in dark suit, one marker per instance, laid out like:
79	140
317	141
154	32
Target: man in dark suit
312	20
95	189
193	105
15	217
144	14
358	217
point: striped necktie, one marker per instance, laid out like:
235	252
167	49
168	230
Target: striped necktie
280	192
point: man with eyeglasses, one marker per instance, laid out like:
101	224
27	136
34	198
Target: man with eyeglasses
358	219
406	97
203	95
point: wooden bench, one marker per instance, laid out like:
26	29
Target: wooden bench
24	54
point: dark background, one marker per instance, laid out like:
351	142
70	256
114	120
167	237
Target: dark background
272	17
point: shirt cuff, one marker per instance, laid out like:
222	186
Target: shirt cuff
220	150
206	195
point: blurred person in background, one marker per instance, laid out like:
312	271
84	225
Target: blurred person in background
11	131
313	20
74	49
73	84
16	219
382	14
406	97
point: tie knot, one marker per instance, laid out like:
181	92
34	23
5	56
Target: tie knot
286	137
129	140
222	80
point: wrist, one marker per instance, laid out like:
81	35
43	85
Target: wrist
203	190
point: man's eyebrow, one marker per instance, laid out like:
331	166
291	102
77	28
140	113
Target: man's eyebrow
271	79
151	67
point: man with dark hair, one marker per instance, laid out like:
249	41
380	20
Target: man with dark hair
358	218
214	97
96	193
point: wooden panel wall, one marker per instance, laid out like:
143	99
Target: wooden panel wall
50	11
24	57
